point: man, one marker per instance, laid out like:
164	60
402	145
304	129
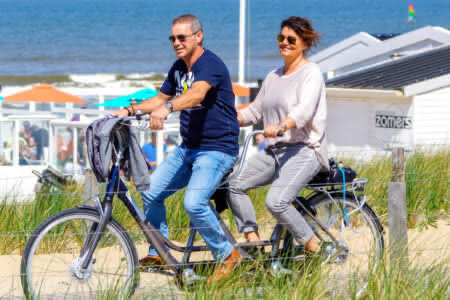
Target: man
149	150
39	139
198	85
259	140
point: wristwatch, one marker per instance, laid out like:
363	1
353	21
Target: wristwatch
169	106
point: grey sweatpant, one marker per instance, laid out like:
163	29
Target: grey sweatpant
298	164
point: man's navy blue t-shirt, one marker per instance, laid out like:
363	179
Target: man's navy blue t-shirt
212	124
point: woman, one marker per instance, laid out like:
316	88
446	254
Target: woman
291	99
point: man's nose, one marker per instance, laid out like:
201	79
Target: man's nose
176	43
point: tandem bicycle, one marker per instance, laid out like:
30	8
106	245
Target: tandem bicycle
85	250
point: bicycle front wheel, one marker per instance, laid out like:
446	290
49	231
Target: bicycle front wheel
51	262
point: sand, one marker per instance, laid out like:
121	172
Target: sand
425	247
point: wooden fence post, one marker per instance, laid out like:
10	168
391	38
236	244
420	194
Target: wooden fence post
91	187
398	229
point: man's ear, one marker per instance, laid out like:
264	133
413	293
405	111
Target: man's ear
199	37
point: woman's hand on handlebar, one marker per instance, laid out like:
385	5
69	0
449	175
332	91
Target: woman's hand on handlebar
272	130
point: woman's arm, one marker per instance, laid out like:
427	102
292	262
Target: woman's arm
240	119
252	113
309	95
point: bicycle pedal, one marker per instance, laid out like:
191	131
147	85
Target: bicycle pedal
301	258
340	257
190	277
276	269
151	270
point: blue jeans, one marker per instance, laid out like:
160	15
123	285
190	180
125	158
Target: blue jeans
201	171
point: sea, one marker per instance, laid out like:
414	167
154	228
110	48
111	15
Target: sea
70	40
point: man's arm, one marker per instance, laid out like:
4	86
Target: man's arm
146	106
193	96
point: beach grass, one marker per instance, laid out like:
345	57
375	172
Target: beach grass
427	177
389	281
427	184
427	191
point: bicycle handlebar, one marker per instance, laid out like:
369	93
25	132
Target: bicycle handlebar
140	116
243	156
146	117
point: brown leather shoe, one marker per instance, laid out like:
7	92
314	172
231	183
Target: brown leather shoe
225	268
151	262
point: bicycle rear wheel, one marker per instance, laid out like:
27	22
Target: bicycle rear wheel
356	227
51	263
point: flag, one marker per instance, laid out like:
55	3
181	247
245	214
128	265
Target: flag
411	14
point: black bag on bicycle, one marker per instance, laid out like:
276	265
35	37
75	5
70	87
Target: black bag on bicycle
334	175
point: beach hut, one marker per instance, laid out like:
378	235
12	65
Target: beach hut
403	102
364	50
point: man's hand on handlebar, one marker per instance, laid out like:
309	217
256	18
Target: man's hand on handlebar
120	113
158	116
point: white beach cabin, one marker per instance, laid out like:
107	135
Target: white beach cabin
403	102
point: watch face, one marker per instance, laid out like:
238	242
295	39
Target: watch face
169	106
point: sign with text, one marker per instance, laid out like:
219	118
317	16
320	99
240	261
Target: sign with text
389	119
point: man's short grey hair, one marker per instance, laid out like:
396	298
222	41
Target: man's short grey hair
196	25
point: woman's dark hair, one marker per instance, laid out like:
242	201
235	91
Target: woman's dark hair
303	28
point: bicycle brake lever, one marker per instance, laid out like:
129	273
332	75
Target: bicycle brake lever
139	114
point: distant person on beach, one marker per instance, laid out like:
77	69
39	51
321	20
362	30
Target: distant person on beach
40	136
259	139
81	116
64	147
24	149
199	85
26	130
291	100
149	150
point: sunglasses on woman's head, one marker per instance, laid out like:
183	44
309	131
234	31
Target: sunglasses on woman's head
291	39
181	37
